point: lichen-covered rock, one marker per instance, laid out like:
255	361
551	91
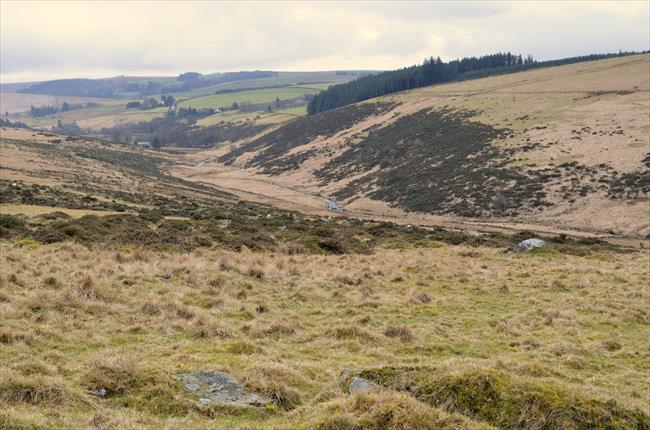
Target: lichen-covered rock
528	244
360	385
219	388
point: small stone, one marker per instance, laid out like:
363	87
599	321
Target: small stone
100	392
360	385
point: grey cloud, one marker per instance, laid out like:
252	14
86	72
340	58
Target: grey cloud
76	39
425	11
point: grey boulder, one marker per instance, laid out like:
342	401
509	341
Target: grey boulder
528	244
213	387
360	385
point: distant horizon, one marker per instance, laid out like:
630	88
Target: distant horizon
173	75
65	40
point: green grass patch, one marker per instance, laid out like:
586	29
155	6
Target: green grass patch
216	101
508	402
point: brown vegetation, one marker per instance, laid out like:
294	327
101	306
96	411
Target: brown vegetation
104	338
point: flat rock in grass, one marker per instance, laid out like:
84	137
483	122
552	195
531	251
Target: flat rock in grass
528	244
360	385
213	387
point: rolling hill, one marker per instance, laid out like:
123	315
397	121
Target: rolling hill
254	90
126	268
565	147
118	277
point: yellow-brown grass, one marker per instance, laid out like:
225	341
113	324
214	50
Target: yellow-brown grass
75	320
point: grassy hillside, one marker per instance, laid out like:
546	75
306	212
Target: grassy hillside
126	86
248	97
14	103
76	174
112	112
116	276
435	71
283	79
567	146
121	268
128	319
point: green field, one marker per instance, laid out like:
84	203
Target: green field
107	114
320	80
238	116
287	85
297	111
321	86
242	97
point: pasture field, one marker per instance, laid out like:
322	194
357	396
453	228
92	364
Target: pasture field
14	103
238	116
109	113
321	86
296	111
229	116
113	112
247	97
308	79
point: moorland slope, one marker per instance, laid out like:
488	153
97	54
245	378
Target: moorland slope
117	276
564	147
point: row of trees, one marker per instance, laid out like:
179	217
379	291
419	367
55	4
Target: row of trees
73	106
151	102
68	128
432	71
45	110
76	87
191	113
8	123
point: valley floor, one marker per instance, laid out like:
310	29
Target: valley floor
299	194
75	319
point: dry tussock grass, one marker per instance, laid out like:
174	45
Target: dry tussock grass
387	410
38	390
126	320
115	373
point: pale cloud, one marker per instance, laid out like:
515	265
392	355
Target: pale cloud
44	40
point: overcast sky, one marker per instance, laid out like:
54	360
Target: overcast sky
48	40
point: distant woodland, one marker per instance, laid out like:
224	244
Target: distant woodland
433	71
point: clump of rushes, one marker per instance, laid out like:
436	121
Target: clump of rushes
403	332
387	410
